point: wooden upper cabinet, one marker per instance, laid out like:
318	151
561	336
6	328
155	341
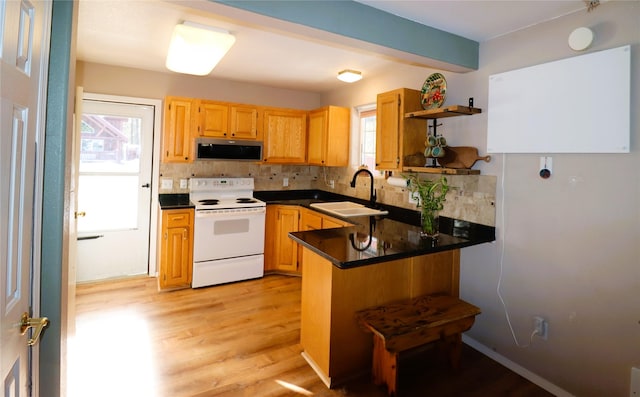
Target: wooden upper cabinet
214	119
285	136
177	137
224	120
243	122
329	130
397	137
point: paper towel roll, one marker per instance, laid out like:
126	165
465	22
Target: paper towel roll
397	181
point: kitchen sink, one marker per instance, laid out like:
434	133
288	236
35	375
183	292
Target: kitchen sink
347	209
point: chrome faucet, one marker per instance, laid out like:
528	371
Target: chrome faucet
372	194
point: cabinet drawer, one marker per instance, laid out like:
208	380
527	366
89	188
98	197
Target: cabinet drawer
177	219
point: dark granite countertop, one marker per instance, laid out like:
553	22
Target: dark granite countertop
174	201
305	198
377	239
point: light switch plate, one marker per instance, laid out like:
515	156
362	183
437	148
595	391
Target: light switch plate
183	183
412	200
166	183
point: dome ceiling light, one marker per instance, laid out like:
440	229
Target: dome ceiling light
349	76
196	49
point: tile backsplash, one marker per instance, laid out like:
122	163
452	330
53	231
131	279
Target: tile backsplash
471	197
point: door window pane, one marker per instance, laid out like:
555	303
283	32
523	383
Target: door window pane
110	143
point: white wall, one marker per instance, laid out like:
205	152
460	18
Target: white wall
114	80
572	242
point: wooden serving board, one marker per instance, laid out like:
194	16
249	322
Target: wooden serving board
461	157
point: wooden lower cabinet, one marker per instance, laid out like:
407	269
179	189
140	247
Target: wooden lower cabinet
176	249
282	254
333	343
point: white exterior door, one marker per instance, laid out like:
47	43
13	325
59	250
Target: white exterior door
114	189
24	38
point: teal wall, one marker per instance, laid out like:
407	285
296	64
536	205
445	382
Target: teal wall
53	210
361	22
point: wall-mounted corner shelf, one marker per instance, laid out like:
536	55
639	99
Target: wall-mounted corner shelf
441	170
449	111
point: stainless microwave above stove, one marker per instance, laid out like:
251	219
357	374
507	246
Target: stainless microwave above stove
228	149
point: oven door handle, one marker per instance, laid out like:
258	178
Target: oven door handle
229	214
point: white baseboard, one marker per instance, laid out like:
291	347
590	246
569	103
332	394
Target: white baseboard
525	373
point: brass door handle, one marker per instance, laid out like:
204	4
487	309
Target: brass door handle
39	324
80	213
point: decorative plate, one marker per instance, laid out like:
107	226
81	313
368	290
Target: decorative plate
434	91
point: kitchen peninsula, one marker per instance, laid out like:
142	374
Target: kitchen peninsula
377	261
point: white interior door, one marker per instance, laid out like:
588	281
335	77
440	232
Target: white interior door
114	189
23	56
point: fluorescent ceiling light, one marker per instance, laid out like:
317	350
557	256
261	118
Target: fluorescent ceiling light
197	49
349	76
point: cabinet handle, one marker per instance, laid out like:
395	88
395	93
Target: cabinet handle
165	236
187	158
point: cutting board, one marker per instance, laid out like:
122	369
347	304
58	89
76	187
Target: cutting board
461	157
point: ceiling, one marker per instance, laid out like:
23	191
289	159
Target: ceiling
136	33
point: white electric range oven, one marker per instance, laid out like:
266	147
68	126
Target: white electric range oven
228	231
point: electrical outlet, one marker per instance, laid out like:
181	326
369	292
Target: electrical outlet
183	183
540	326
332	184
412	199
285	181
635	382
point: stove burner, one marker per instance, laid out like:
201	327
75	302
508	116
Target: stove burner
245	200
209	202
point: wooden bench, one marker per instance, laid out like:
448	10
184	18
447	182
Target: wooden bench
402	326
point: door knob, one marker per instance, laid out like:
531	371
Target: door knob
39	324
78	214
146	185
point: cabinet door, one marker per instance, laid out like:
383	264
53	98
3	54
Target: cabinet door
270	233
329	133
176	252
338	137
214	121
177	142
388	131
287	249
330	223
316	147
244	122
310	220
285	137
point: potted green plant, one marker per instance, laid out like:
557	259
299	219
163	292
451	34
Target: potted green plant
430	194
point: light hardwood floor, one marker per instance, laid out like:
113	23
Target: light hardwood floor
239	339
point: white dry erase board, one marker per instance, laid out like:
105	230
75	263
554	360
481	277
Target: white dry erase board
574	105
